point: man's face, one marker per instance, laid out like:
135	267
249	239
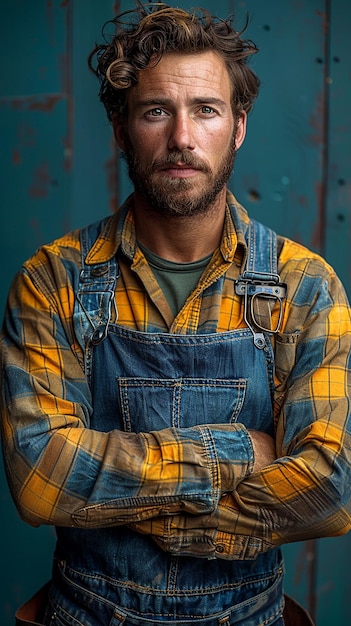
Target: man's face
180	136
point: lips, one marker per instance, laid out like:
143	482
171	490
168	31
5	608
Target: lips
181	163
179	171
176	166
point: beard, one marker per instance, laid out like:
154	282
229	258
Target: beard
175	196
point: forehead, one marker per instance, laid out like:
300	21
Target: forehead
200	74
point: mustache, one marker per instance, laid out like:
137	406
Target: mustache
185	157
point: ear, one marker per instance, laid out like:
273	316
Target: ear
241	129
118	125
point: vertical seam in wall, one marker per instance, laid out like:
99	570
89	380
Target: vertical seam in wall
312	545
68	78
326	121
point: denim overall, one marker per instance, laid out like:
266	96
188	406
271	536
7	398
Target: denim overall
113	576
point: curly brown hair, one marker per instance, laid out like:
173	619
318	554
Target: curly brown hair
143	35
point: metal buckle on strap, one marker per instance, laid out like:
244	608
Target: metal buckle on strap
99	330
269	288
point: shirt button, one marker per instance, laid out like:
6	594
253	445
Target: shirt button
219	548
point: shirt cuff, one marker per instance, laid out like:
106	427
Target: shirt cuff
229	448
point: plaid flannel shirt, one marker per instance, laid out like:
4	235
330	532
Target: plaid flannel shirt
141	479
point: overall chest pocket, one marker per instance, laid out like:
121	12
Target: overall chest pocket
152	404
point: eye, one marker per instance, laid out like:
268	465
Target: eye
207	110
156	112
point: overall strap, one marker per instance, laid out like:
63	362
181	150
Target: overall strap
96	291
261	262
259	282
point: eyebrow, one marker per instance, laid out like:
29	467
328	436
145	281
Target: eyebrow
161	101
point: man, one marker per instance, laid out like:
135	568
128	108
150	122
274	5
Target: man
175	395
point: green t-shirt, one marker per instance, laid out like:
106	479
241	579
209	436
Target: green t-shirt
177	280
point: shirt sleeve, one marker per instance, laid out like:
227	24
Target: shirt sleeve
306	492
62	472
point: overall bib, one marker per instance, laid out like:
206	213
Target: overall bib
142	382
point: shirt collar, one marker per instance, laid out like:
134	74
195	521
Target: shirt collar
119	230
113	235
233	245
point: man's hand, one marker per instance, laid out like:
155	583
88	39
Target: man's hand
264	449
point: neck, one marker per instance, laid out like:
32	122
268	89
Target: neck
182	239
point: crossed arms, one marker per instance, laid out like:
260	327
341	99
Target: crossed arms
193	489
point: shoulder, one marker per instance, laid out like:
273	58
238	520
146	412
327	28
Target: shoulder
298	263
55	266
68	248
313	286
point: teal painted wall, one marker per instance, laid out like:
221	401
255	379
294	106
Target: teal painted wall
59	170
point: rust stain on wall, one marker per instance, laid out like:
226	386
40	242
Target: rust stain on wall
46	105
316	122
16	157
41	180
317	239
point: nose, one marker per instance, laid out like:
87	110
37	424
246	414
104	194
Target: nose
181	135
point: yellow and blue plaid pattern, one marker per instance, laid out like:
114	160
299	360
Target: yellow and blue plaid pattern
140	479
